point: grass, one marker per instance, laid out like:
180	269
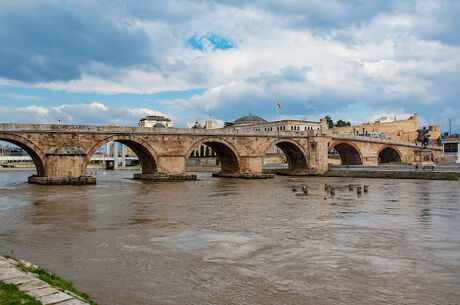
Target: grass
56	281
10	295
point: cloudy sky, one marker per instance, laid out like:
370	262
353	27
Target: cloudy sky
101	62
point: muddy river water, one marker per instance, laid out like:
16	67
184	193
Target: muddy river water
230	241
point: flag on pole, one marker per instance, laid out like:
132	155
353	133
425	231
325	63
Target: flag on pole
278	104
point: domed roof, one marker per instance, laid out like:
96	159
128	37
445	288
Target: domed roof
249	119
159	125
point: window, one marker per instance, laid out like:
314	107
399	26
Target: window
450	147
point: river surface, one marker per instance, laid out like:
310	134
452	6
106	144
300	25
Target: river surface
230	241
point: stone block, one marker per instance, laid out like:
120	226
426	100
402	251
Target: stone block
73	302
83	180
10	273
54	298
21	280
42	292
32	285
164	177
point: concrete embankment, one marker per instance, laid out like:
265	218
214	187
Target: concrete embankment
17	273
385	174
394	174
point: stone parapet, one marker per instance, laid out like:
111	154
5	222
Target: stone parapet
54	128
338	136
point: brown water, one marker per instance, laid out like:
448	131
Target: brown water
229	241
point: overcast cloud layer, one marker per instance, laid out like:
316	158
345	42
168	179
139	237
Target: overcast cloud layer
70	60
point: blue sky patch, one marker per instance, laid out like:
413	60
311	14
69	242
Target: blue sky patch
212	41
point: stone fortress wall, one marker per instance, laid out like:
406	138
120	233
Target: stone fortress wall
403	130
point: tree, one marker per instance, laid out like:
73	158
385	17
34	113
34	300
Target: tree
342	123
330	122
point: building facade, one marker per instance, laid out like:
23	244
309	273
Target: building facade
451	148
256	123
403	130
156	121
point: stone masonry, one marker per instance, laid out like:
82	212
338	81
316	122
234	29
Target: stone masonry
403	130
61	152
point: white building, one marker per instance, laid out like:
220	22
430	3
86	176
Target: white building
252	122
156	121
256	123
451	148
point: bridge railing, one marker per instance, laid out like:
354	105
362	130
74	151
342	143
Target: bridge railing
13	127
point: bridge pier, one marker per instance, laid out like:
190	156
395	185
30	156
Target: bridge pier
170	168
64	165
250	167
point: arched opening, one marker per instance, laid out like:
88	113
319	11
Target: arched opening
23	150
203	158
388	155
116	152
286	153
214	155
348	152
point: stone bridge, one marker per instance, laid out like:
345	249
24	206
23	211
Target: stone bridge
61	152
358	150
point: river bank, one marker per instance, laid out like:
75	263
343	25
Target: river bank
26	283
394	174
383	172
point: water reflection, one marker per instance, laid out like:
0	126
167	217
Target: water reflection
231	241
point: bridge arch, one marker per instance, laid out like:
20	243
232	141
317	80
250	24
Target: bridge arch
389	153
225	151
349	153
37	155
294	152
145	153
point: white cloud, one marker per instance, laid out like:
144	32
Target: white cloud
21	97
93	113
339	53
396	116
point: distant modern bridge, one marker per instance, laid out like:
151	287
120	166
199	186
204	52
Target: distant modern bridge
61	152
